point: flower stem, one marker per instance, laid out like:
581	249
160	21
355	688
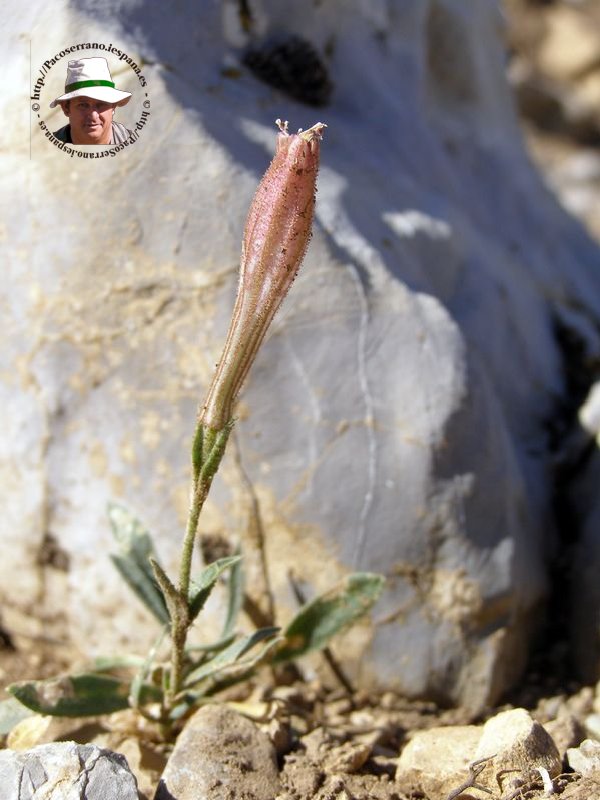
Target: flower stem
200	491
207	453
276	236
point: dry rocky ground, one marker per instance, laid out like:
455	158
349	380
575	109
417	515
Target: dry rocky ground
312	741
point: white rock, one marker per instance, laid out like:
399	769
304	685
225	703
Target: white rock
517	746
436	761
592	724
65	771
585	759
396	419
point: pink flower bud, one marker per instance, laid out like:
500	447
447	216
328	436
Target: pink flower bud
277	233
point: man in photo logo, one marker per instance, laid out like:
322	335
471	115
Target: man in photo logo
89	102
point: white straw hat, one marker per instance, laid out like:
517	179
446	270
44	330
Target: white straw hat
90	77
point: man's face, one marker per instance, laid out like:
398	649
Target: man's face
90	120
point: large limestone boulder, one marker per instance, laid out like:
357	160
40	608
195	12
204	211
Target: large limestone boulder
399	418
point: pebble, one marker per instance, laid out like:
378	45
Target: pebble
436	761
66	771
585	759
517	746
220	755
566	731
592	724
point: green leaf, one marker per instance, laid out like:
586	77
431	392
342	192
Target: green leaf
240	671
232	654
325	616
243	671
202	587
110	663
220	644
133	562
235	598
81	695
11	713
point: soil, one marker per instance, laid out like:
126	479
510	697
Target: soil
331	745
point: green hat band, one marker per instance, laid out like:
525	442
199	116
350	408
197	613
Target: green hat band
83	84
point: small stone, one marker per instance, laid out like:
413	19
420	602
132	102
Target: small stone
145	760
585	759
220	755
388	701
293	696
280	733
566	731
582	703
66	771
436	761
570	46
316	743
517	746
592	724
348	757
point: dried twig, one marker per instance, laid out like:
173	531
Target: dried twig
475	770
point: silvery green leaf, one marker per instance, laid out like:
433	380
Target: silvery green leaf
322	618
110	663
235	598
232	654
80	695
133	561
202	586
220	644
230	675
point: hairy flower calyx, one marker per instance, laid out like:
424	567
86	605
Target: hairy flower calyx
278	229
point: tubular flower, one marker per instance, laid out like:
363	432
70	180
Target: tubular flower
276	236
